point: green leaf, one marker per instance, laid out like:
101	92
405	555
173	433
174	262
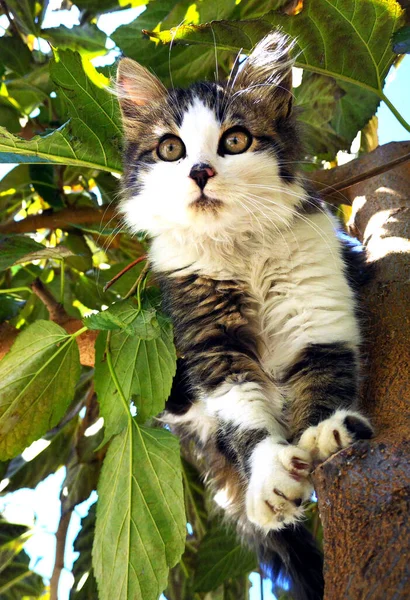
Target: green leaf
43	181
9	532
93	110
328	33
126	315
145	369
9	307
17	581
61	146
354	109
84	38
220	557
23	11
100	7
401	40
57	253
83	259
317	97
91	138
14	54
28	474
180	67
37	382
140	529
15	247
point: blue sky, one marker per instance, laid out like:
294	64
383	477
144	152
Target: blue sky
41	507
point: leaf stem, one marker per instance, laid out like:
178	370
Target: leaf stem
62	281
396	113
79	332
16	289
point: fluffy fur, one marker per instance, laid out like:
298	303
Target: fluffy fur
254	277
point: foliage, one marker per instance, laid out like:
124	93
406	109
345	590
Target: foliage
61	243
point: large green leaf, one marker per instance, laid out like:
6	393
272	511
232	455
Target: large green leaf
401	40
99	7
140	529
37	382
94	111
221	557
14	54
43	179
126	315
15	247
328	33
23	13
317	98
17	582
92	136
85	37
354	109
59	146
144	369
27	474
176	66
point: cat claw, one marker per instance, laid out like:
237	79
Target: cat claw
278	485
339	431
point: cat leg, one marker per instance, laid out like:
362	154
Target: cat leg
237	407
323	384
251	436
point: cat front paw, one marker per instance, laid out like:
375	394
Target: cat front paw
339	431
278	485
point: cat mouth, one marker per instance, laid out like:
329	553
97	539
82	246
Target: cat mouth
204	203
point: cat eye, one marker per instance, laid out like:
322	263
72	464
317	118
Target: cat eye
171	148
235	141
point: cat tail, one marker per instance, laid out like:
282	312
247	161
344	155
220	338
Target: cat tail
292	555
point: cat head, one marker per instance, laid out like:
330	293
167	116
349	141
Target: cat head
213	159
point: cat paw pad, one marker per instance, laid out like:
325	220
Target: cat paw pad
278	485
338	431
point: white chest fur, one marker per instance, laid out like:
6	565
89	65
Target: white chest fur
294	277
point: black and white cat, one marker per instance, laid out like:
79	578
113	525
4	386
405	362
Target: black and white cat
255	279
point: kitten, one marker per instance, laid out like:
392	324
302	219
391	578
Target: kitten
254	277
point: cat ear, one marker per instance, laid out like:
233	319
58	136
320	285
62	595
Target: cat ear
135	88
267	73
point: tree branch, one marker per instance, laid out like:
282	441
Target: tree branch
12	22
55	309
61	219
85	341
61	538
331	183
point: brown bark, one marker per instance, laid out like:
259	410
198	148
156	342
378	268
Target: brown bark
85	341
61	219
336	185
364	491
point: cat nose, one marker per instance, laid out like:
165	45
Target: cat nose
201	173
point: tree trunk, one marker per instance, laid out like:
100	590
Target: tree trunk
364	491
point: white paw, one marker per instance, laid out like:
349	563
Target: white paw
331	435
278	484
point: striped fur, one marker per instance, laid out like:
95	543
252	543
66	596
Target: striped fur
255	278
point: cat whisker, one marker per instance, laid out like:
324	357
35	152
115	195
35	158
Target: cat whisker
305	198
257	205
298	215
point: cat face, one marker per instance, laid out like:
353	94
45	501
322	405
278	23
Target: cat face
214	158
